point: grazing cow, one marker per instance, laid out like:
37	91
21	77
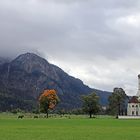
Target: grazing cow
20	116
35	116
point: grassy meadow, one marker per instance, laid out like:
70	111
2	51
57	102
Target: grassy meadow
68	128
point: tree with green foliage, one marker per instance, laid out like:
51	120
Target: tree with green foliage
117	102
91	104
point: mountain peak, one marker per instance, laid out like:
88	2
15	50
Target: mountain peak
30	56
31	62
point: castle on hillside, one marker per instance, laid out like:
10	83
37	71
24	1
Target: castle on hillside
133	107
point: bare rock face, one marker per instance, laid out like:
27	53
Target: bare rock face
30	62
23	79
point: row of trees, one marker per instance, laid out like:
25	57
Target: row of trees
117	102
49	99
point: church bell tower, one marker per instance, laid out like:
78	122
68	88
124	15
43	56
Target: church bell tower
138	93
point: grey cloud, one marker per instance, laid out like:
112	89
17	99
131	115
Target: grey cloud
88	38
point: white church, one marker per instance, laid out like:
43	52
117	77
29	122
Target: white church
133	107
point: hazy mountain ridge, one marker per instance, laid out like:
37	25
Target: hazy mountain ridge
23	79
4	60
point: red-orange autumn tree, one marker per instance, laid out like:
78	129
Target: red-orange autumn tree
48	100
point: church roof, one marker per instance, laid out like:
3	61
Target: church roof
134	99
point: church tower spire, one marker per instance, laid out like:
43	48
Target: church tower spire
138	93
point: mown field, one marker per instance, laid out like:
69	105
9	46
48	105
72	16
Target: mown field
68	128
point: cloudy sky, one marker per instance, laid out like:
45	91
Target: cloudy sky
95	40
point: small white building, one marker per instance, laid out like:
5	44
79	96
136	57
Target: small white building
133	107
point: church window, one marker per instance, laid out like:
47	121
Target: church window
137	113
132	112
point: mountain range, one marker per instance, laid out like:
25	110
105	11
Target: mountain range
23	79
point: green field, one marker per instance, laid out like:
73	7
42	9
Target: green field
12	128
